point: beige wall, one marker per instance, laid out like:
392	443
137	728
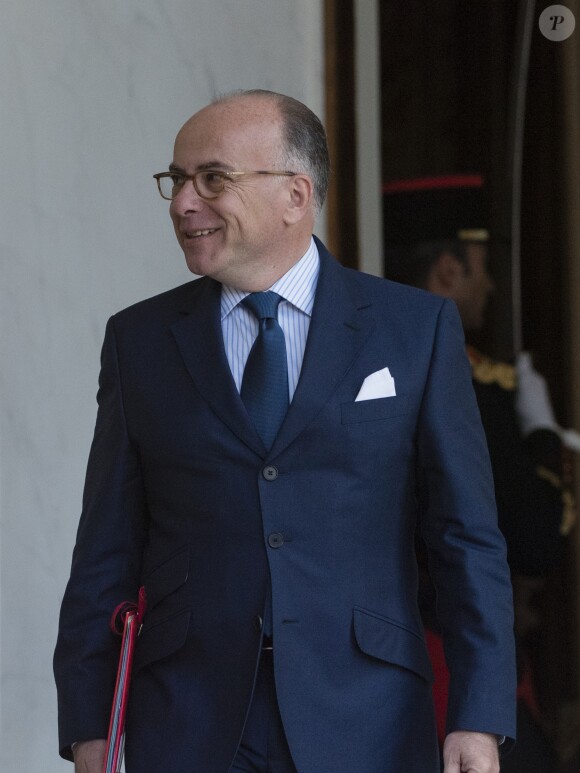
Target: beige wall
91	94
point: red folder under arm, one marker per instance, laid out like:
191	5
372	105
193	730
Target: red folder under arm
126	620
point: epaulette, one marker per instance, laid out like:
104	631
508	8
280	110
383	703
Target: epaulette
569	514
485	370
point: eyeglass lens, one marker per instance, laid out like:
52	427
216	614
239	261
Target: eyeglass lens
208	184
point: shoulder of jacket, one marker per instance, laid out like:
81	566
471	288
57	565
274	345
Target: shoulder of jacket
173	298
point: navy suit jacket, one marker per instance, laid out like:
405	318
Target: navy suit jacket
181	496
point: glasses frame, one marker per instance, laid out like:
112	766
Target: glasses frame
225	175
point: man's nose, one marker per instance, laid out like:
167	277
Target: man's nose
187	199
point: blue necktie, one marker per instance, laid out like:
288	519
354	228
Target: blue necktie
265	380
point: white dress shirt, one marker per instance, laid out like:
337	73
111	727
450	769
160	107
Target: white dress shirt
240	327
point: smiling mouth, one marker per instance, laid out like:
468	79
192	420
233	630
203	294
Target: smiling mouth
197	234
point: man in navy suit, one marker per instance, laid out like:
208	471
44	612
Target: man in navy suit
282	632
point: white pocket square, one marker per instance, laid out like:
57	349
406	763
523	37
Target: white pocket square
378	384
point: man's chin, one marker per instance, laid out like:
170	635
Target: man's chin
196	270
196	263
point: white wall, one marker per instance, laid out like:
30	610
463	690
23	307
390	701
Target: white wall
91	96
368	135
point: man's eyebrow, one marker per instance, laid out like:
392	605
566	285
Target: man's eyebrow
218	165
215	165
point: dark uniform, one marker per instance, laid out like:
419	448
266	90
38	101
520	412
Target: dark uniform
534	502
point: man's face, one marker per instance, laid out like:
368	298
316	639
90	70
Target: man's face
473	287
242	233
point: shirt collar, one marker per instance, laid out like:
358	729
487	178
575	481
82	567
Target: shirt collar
297	286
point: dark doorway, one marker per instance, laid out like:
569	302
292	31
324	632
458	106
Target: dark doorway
448	79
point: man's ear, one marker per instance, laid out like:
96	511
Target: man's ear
300	199
446	272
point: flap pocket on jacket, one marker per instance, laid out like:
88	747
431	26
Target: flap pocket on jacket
392	642
162	638
167	577
373	410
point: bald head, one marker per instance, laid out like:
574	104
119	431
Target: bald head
303	139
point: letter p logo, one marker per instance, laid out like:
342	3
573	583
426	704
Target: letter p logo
556	22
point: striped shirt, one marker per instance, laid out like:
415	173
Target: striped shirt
240	327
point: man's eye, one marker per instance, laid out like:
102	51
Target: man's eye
213	180
177	180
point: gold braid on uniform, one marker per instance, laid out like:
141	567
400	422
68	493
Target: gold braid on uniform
568	502
485	370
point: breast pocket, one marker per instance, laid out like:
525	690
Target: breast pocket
375	410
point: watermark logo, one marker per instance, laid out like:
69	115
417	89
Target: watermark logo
556	22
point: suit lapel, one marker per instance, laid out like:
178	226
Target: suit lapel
339	327
199	338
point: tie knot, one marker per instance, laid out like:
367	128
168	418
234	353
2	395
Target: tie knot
263	305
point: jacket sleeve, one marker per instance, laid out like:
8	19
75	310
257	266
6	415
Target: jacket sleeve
466	551
105	565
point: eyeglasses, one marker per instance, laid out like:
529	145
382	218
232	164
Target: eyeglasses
208	183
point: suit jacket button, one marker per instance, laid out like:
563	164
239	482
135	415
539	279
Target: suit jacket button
276	540
258	623
270	472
